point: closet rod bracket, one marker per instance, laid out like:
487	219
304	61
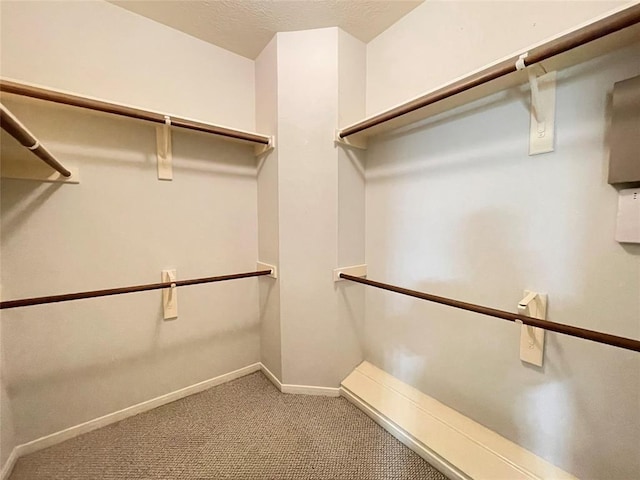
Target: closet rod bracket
28	169
353	141
354	270
169	295
543	106
532	338
266	266
265	148
164	150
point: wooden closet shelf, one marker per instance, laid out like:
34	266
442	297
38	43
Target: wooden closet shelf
602	35
57	96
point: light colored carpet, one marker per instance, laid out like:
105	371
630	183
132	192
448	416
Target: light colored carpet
244	429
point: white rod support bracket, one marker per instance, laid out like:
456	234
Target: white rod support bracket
163	144
262	148
354	271
532	338
543	108
266	266
28	169
354	141
524	303
169	295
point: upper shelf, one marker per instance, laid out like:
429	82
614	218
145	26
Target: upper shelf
262	142
601	35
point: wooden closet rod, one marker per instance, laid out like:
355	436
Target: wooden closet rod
25	302
108	107
599	337
17	130
577	38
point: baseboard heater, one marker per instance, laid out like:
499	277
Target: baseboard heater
454	444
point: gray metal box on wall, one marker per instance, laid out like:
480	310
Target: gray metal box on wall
624	160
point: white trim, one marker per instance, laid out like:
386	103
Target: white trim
71	432
310	390
299	389
61	436
437	431
271	376
9	464
409	441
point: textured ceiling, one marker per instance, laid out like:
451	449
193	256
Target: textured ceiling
246	26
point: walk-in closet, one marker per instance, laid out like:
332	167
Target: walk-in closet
377	240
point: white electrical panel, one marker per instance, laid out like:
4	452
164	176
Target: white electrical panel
628	225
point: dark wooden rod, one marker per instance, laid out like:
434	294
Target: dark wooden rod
622	342
13	127
108	107
25	302
596	30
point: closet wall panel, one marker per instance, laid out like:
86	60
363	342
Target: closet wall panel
7	434
71	362
268	208
455	38
101	50
456	207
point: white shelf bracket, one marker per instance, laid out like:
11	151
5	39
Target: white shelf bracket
532	338
354	142
353	270
266	266
262	148
163	143
28	169
543	108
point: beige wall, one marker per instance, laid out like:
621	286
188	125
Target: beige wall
268	208
319	341
457	208
454	208
442	40
7	434
71	362
98	49
311	204
351	187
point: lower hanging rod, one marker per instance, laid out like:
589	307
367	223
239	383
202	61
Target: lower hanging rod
599	337
25	302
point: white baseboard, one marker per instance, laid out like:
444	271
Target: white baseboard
61	436
430	456
454	444
271	376
9	464
310	390
299	389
